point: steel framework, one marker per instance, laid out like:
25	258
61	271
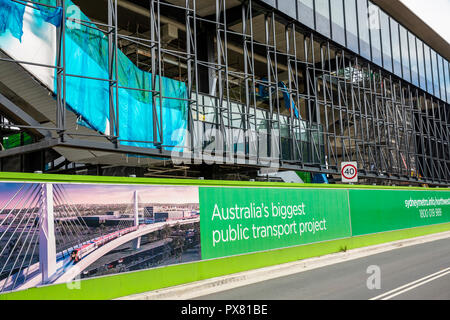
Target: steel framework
242	64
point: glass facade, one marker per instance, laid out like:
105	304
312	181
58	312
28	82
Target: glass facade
364	28
421	64
375	36
413	59
396	53
386	41
288	7
323	17
363	25
434	66
271	2
351	23
447	83
337	21
428	70
306	12
441	77
405	53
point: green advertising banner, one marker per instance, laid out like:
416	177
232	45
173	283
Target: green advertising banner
375	211
244	220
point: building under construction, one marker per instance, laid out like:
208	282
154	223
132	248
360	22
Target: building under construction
224	89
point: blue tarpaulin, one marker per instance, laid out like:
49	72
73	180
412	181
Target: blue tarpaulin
87	56
51	15
11	18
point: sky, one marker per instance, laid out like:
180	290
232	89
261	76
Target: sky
106	194
433	12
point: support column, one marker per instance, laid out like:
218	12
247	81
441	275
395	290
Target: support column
205	52
136	242
47	244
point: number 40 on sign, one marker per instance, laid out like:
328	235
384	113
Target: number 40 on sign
349	172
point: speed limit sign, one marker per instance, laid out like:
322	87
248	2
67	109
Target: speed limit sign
349	172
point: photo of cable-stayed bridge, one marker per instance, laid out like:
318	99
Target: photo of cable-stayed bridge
54	233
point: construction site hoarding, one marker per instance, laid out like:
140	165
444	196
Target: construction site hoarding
64	231
243	220
375	211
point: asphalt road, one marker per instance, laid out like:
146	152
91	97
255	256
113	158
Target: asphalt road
420	272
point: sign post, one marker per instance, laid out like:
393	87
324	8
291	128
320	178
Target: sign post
349	172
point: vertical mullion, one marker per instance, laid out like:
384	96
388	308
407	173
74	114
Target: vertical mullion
277	97
111	64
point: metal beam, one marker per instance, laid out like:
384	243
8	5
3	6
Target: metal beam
109	147
38	146
16	114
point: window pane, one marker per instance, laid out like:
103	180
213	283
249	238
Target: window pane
405	53
351	25
413	57
306	12
363	22
374	26
396	54
323	17
337	21
271	2
422	74
441	76
426	50
435	73
288	7
386	41
447	71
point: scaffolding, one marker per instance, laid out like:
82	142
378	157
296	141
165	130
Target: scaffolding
263	91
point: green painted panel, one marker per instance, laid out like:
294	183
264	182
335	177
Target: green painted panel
115	286
375	211
305	176
243	220
16	140
33	177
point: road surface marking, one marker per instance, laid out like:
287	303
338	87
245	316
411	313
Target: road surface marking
409	286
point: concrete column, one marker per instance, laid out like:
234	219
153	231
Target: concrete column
47	243
136	242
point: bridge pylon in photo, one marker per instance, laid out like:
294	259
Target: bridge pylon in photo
137	241
47	242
